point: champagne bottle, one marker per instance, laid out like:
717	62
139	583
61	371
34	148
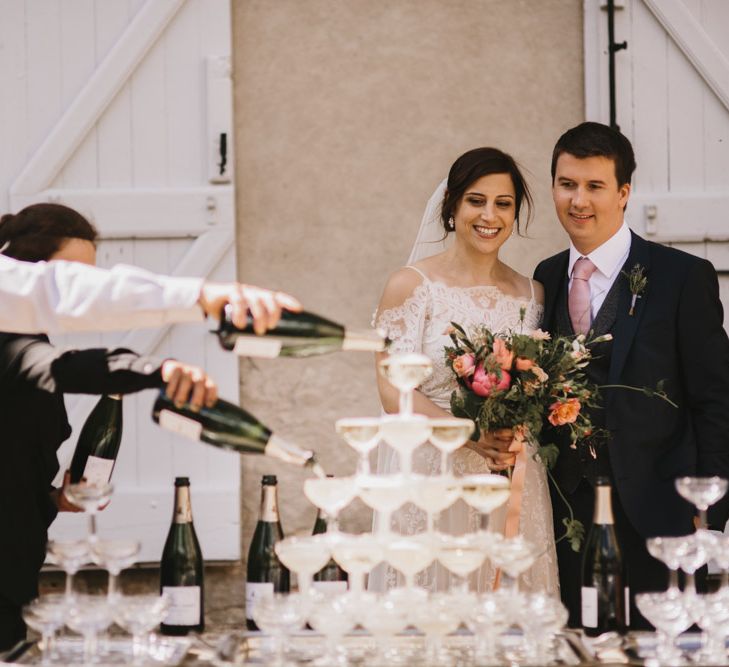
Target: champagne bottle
98	443
229	427
266	574
181	569
296	335
605	595
331	579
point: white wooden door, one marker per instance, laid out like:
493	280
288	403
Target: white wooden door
117	109
673	104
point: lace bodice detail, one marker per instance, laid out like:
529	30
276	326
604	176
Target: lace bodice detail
421	324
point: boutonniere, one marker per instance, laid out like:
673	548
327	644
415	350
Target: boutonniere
637	282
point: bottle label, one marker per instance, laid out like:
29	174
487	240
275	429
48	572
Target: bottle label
97	470
184	426
255	591
330	587
589	607
627	606
184	605
257	346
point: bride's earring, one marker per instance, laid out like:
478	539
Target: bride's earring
451	224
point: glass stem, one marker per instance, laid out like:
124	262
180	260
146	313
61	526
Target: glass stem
689	587
47	640
111	591
406	403
69	585
92	527
484	521
89	648
673	581
443	462
703	523
363	466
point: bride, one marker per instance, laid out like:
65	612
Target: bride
454	274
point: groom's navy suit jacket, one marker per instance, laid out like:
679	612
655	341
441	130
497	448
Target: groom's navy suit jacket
676	334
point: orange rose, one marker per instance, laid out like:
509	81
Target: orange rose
503	355
564	412
523	364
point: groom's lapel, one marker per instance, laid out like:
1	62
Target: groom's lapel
626	324
554	276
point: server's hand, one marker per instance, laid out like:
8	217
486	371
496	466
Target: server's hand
58	496
264	305
188	384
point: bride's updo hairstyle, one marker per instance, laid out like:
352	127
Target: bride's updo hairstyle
40	230
475	164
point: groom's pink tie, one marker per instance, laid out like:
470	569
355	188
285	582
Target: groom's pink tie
579	298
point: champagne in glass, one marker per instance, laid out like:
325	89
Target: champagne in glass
409	555
331	495
362	434
266	574
384	494
703	492
405	433
91	499
448	434
98	443
406	372
296	335
357	555
484	493
304	556
181	569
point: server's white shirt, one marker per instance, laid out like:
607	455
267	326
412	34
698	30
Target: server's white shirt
67	296
609	259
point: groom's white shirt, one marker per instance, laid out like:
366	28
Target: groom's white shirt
609	259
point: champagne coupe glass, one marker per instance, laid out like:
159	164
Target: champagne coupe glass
440	616
461	555
669	615
333	617
139	615
692	555
487	621
114	555
409	555
433	494
384	494
484	493
514	556
666	549
279	615
383	617
406	372
89	615
703	492
46	615
70	555
448	434
91	498
544	616
304	555
357	555
362	434
710	612
331	495
405	433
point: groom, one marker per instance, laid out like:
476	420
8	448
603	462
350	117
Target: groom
674	333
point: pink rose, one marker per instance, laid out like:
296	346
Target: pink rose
503	355
484	383
464	365
523	364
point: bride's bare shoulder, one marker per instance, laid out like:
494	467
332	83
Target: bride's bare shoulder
400	286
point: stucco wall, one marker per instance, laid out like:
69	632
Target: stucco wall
348	113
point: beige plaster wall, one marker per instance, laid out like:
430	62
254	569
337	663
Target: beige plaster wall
348	113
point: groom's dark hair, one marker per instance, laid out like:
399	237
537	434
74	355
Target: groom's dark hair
475	164
597	140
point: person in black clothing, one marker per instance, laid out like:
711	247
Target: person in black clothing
34	375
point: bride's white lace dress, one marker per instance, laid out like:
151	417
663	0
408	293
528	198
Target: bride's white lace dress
419	325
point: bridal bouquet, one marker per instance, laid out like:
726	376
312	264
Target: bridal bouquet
529	382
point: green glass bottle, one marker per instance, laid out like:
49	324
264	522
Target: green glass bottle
296	335
331	579
98	443
181	569
605	595
266	574
229	427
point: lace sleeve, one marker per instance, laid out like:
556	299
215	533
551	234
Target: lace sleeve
403	324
